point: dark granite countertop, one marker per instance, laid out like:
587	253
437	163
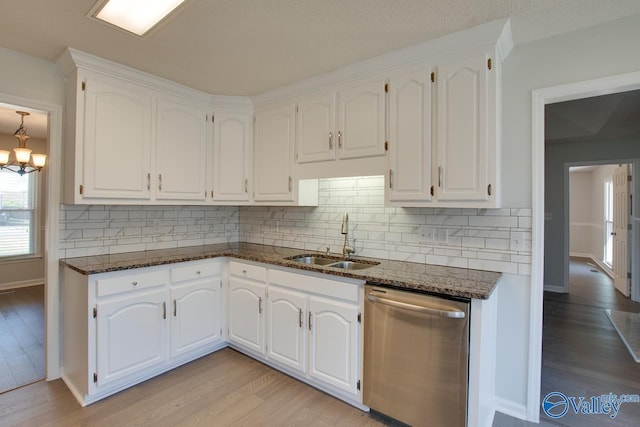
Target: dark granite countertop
459	282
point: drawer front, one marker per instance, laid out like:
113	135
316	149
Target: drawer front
130	282
196	271
349	291
248	271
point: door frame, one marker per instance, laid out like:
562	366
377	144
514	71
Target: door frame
539	98
567	250
52	227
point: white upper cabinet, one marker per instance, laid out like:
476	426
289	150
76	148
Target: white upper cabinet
466	142
181	144
345	124
361	120
273	155
316	134
116	139
232	139
410	135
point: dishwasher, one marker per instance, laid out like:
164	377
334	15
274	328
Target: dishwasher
416	357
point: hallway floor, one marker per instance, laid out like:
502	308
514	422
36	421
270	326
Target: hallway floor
21	336
582	354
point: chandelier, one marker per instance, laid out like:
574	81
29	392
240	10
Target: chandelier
24	161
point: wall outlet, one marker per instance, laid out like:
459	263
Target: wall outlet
516	241
426	234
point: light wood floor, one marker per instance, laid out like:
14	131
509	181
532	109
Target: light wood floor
21	337
224	388
582	354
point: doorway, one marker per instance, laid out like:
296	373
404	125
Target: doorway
22	232
541	98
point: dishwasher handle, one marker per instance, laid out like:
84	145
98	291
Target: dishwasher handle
452	314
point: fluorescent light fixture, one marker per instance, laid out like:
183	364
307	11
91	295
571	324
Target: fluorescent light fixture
135	16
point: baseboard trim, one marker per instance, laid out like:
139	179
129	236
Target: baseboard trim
555	288
510	408
21	284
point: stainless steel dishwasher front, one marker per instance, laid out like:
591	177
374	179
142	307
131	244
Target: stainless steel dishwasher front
416	360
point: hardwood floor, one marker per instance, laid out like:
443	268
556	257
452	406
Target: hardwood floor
582	354
224	388
21	337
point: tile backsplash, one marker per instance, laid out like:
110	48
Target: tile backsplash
469	238
99	229
484	239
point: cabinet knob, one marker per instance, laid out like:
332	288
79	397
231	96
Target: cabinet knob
134	283
198	272
244	271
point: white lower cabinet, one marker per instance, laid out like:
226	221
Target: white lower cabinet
131	334
333	343
314	330
124	327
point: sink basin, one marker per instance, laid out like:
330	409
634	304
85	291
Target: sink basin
314	260
351	265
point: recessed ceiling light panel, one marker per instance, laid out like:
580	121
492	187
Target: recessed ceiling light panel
135	16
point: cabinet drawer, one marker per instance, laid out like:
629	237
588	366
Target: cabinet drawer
346	290
130	282
196	271
248	271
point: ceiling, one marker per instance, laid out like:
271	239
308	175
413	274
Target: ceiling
35	123
246	47
597	118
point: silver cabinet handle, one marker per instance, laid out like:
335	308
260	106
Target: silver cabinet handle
439	176
160	181
309	320
198	272
148	181
134	283
246	185
290	184
259	305
164	310
175	308
340	139
453	314
391	178
330	140
300	317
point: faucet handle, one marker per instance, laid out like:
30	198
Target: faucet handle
328	250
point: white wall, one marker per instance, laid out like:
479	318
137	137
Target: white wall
595	52
581	225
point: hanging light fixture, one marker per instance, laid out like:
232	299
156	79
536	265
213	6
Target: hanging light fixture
25	162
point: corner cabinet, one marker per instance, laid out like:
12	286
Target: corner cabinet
232	142
273	166
247	294
124	327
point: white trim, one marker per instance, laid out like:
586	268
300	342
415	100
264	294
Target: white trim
539	98
509	408
52	221
559	289
21	284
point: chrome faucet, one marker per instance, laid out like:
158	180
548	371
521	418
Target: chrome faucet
346	249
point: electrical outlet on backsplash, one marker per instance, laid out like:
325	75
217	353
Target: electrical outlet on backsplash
481	239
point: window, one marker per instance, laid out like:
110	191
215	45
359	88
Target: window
608	221
18	214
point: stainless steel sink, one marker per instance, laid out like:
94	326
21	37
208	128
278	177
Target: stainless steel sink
351	265
314	260
332	262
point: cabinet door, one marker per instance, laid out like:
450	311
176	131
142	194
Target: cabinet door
286	325
361	125
464	148
315	128
131	335
180	151
333	347
231	157
245	311
195	316
117	140
410	136
273	159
